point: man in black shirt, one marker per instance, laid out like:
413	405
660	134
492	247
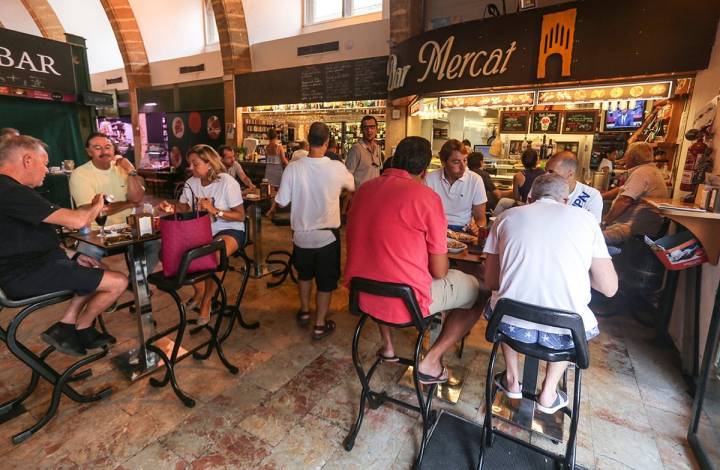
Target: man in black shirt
31	259
475	163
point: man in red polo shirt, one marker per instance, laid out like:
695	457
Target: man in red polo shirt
397	233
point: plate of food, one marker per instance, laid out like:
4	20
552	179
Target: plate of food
455	246
462	236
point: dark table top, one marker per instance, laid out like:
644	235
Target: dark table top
93	238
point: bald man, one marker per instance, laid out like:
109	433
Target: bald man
32	261
586	197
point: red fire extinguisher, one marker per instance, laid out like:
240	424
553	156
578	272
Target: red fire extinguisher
695	158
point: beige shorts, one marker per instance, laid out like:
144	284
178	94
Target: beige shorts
456	290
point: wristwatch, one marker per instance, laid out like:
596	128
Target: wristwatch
133	173
219	214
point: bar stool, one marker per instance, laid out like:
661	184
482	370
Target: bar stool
171	285
282	258
579	355
234	310
39	366
376	399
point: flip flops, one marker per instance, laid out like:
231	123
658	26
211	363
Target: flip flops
385	358
321	331
426	379
499	381
303	318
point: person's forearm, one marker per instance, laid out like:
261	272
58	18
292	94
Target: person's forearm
618	208
234	215
119	206
136	191
612	194
479	216
247	182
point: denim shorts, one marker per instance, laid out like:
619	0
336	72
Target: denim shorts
549	340
238	235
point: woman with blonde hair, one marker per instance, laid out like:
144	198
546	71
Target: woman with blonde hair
218	193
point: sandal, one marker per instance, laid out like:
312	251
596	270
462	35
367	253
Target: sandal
426	379
561	401
500	383
321	331
385	358
303	318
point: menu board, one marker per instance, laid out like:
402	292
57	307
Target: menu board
545	122
580	122
364	79
514	122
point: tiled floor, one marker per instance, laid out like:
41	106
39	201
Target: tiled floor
294	400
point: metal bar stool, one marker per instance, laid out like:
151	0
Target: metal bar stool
39	366
234	310
171	285
579	355
281	219
376	399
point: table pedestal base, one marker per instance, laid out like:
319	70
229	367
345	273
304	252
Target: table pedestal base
263	270
131	363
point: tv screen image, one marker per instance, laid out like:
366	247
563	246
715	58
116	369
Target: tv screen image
629	118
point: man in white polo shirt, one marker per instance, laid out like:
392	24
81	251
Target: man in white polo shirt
313	185
462	192
547	254
586	197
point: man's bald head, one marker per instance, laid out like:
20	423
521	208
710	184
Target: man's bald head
564	163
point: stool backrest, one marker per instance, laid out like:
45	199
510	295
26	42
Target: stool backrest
386	289
543	316
199	252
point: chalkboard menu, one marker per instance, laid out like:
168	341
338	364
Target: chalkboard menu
363	79
514	122
580	122
545	122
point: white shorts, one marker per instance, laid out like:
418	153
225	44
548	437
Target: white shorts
456	290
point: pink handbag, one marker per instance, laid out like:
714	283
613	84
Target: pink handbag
181	232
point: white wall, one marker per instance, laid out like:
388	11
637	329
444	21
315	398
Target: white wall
88	19
707	86
167	72
13	15
170	28
358	41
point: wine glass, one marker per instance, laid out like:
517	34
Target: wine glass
100	220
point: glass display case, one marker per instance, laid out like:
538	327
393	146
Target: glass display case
704	431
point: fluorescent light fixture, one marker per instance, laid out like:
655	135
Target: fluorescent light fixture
150	105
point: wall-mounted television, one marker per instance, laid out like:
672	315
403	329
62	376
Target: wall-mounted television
624	119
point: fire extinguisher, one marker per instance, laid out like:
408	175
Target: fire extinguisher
694	159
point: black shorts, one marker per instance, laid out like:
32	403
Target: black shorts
323	264
57	273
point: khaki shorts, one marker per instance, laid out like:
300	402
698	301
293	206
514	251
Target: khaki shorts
456	290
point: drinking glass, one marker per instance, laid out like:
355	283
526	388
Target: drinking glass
100	220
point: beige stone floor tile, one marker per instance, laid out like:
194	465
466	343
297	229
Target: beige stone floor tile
153	457
617	442
308	445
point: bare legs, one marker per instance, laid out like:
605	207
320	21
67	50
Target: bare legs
322	301
205	291
456	325
553	375
111	286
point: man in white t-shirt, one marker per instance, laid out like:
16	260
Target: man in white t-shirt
522	266
300	152
313	185
629	215
586	197
462	191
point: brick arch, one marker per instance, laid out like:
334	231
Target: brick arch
132	48
235	51
45	18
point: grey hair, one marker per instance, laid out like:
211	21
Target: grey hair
566	159
640	152
9	145
549	185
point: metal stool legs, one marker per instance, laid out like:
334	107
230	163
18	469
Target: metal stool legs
234	310
213	343
287	268
40	368
376	399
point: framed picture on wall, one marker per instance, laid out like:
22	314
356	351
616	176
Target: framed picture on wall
545	122
515	148
571	146
580	122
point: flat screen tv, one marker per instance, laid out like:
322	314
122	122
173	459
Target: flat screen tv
625	119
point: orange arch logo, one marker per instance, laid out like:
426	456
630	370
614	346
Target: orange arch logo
557	37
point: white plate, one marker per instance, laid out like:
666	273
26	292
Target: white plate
457	250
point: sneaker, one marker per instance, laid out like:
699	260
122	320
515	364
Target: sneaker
561	401
91	338
64	338
501	384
